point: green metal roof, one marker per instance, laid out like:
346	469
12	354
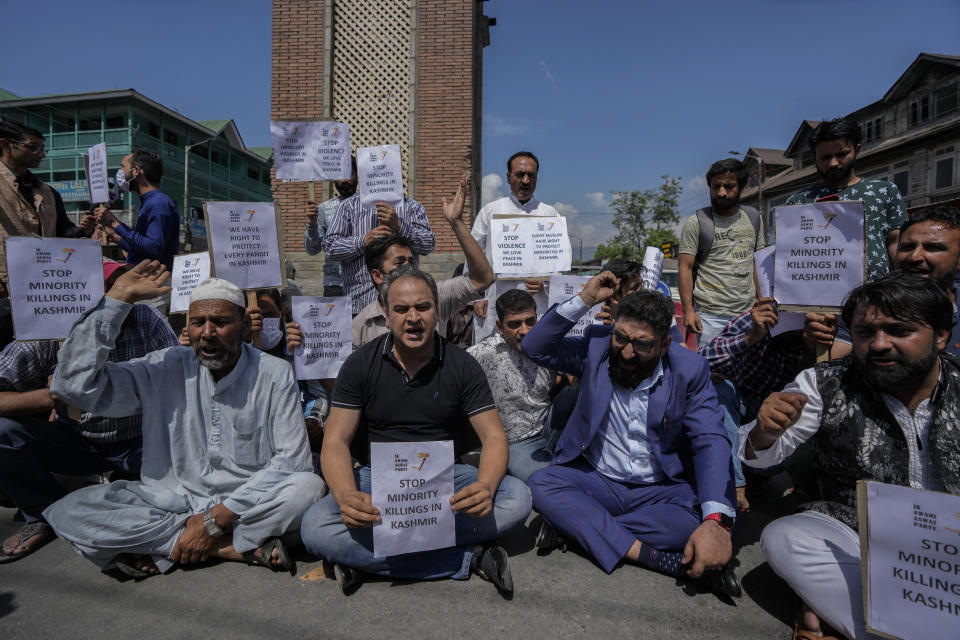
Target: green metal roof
214	125
8	95
264	152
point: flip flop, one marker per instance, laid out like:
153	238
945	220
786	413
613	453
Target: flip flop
284	563
127	565
27	532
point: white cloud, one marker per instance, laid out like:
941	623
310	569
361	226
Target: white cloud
499	126
597	199
490	187
546	71
696	185
565	209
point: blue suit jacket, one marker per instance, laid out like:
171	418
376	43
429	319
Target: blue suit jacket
684	422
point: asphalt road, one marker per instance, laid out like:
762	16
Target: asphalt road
54	593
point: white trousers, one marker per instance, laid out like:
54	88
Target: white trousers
819	557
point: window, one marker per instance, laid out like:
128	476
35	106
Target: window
64	175
806	159
116	122
200	150
919	110
872	130
219	157
901	177
252	173
170	137
89	121
945	100
943	168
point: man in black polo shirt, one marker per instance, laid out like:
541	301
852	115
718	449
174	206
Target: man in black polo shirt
409	385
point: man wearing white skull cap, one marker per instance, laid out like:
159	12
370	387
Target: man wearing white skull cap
226	463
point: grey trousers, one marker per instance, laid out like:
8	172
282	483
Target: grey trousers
819	557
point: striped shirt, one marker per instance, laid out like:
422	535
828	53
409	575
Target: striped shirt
26	366
344	242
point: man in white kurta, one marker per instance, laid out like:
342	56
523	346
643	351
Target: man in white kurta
522	170
220	438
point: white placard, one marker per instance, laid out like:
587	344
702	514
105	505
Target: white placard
412	483
292	144
97	180
188	271
786	320
819	256
332	144
763	259
380	175
529	246
562	288
910	555
52	282
325	325
243	243
311	150
651	268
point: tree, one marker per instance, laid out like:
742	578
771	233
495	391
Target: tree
658	237
635	212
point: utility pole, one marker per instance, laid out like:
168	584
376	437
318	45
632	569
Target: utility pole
187	235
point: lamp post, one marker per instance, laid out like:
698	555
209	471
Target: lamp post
187	235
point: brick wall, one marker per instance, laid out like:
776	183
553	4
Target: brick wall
446	105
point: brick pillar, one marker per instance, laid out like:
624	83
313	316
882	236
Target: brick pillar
446	107
444	125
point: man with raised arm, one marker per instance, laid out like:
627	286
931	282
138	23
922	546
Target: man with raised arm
887	412
226	464
642	472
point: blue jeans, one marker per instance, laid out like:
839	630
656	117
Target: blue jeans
325	535
31	448
526	456
736	411
712	324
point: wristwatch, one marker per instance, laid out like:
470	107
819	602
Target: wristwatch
721	519
211	525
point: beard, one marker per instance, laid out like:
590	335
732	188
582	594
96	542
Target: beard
836	175
628	377
898	376
230	354
722	204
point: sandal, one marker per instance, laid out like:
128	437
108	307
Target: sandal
283	562
27	532
127	565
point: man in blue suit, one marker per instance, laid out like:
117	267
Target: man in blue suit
643	471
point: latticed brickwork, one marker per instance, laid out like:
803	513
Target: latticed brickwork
404	72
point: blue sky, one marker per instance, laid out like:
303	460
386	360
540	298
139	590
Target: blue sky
610	95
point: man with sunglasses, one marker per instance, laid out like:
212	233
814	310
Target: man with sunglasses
28	206
642	473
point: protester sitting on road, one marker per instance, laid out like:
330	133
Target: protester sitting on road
748	365
226	465
887	412
524	391
642	471
37	436
410	385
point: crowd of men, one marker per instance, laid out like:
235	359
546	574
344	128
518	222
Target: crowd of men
626	442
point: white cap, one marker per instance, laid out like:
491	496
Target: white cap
218	289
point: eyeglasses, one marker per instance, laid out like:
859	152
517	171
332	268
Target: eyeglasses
36	147
640	347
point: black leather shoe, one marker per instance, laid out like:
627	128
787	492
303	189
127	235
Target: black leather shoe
490	563
548	539
722	582
348	578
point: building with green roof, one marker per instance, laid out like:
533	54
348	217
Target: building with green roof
221	166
